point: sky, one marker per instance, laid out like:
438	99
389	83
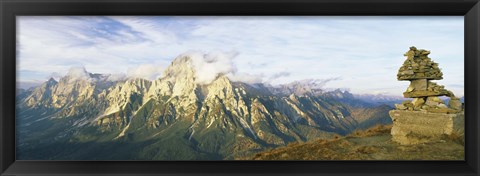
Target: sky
361	54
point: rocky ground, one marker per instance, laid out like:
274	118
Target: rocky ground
372	144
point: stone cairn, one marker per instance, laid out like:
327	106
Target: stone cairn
419	69
426	118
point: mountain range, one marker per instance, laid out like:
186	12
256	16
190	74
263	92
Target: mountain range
87	116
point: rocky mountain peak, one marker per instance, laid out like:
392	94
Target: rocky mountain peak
302	87
75	74
140	83
339	94
180	67
221	87
222	81
52	81
214	115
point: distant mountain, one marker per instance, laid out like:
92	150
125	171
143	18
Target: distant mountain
379	99
347	98
86	116
302	87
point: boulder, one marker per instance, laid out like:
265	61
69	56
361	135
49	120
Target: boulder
400	107
419	84
418	102
435	99
431	103
455	103
442	106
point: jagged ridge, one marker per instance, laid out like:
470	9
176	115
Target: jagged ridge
179	118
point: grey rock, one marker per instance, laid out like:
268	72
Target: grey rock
418	102
455	103
400	107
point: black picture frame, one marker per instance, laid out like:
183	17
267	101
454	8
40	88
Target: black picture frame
9	9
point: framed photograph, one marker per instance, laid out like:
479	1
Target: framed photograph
239	87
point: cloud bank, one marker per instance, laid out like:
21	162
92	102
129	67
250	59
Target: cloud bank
78	73
145	71
208	66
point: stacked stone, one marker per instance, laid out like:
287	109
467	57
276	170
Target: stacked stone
419	69
419	66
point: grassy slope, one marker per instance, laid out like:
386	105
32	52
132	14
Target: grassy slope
372	144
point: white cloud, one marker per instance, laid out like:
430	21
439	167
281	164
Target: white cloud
78	73
246	78
278	75
55	75
116	77
148	27
208	66
146	71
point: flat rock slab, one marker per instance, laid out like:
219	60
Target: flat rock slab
423	93
415	127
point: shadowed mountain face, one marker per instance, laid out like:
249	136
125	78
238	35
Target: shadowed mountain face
88	116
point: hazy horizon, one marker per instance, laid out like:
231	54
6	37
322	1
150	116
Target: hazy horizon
361	54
